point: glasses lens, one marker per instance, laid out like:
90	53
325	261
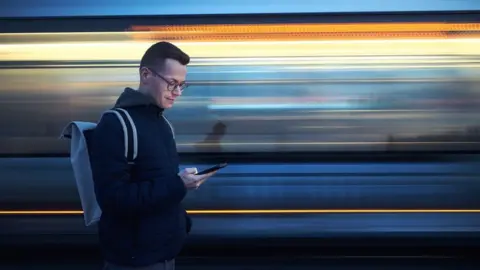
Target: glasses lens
173	87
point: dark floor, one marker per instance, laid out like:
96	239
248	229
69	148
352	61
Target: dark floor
278	264
277	255
39	258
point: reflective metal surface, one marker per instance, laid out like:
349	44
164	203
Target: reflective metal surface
48	184
434	199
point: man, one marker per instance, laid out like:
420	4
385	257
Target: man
143	225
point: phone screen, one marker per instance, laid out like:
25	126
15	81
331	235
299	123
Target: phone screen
212	169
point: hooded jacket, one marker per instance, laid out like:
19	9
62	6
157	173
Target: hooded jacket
143	221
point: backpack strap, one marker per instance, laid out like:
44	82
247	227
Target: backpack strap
130	136
171	127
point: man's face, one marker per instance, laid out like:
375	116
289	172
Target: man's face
165	85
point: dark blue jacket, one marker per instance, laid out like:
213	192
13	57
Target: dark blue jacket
143	221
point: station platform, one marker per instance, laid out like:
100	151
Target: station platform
257	263
75	257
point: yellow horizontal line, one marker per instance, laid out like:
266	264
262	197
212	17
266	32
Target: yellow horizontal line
264	211
161	35
264	28
202	29
328	143
326	211
132	51
301	31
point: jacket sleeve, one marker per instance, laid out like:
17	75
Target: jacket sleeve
116	194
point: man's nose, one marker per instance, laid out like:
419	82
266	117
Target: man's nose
177	91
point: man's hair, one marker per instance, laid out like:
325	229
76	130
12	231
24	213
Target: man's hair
156	55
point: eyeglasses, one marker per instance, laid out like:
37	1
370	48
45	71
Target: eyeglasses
171	85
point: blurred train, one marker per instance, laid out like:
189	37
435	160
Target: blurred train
332	128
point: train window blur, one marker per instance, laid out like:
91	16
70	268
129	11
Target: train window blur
305	96
258	108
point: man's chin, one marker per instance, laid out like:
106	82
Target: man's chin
167	105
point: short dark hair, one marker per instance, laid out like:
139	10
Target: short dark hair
156	55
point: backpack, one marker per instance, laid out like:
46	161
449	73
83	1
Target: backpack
79	134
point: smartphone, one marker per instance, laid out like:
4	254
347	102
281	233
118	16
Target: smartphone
212	169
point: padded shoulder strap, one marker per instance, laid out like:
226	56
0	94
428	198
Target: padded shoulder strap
129	133
171	127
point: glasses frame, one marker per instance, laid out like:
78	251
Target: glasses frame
171	86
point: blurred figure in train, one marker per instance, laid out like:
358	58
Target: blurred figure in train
213	139
143	224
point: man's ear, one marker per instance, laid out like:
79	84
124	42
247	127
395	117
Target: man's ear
144	73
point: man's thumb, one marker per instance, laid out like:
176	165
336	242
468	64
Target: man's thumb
190	170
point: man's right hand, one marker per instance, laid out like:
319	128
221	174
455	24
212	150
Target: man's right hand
191	180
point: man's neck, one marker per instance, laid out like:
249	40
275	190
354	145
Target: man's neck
147	93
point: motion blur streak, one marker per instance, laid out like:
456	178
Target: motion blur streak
391	94
328	129
291	211
250	41
309	28
133	50
305	31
